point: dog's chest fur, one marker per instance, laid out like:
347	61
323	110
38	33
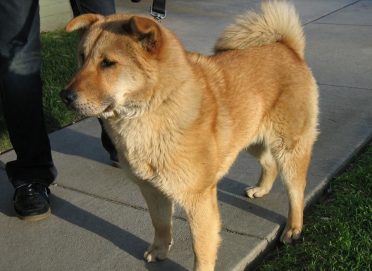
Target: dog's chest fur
149	146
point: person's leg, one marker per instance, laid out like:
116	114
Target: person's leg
21	95
21	92
106	7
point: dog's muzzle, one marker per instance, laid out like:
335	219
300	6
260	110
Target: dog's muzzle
68	96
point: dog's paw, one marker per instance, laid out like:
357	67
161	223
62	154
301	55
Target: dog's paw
157	253
290	235
256	192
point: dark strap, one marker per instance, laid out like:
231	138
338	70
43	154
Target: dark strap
158	9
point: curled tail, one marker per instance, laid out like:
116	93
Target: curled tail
277	22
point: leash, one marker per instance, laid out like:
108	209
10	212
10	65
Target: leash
157	9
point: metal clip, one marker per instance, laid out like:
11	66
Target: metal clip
157	15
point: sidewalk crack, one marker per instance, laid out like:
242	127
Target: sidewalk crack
368	25
341	86
329	13
225	229
102	198
243	233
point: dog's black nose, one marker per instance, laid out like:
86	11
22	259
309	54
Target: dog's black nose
68	96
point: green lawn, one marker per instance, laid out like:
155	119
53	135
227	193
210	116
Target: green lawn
58	64
338	230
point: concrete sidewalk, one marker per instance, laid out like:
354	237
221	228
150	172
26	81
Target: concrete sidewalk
100	220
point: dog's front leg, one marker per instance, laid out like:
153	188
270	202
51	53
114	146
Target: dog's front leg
204	218
161	209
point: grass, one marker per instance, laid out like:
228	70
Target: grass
4	138
58	65
338	230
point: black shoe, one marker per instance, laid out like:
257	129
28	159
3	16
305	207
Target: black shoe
31	202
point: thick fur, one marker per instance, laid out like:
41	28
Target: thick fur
179	120
278	21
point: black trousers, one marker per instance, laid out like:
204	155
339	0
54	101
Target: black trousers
21	88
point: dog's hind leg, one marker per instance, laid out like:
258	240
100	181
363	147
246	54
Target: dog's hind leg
204	218
161	209
269	171
294	165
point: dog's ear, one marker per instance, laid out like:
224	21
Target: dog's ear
145	31
82	22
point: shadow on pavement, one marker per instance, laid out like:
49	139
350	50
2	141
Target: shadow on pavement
75	143
63	209
6	195
123	239
2	165
231	192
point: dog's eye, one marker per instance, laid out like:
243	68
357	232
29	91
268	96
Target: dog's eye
107	63
82	57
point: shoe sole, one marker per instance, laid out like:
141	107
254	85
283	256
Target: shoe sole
33	218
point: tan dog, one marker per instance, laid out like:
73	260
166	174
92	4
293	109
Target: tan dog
179	119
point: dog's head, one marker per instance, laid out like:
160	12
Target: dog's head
119	59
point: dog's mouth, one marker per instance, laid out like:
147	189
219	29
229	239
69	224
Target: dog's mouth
109	108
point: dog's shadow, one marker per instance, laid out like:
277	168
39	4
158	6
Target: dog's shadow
123	239
126	241
231	192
